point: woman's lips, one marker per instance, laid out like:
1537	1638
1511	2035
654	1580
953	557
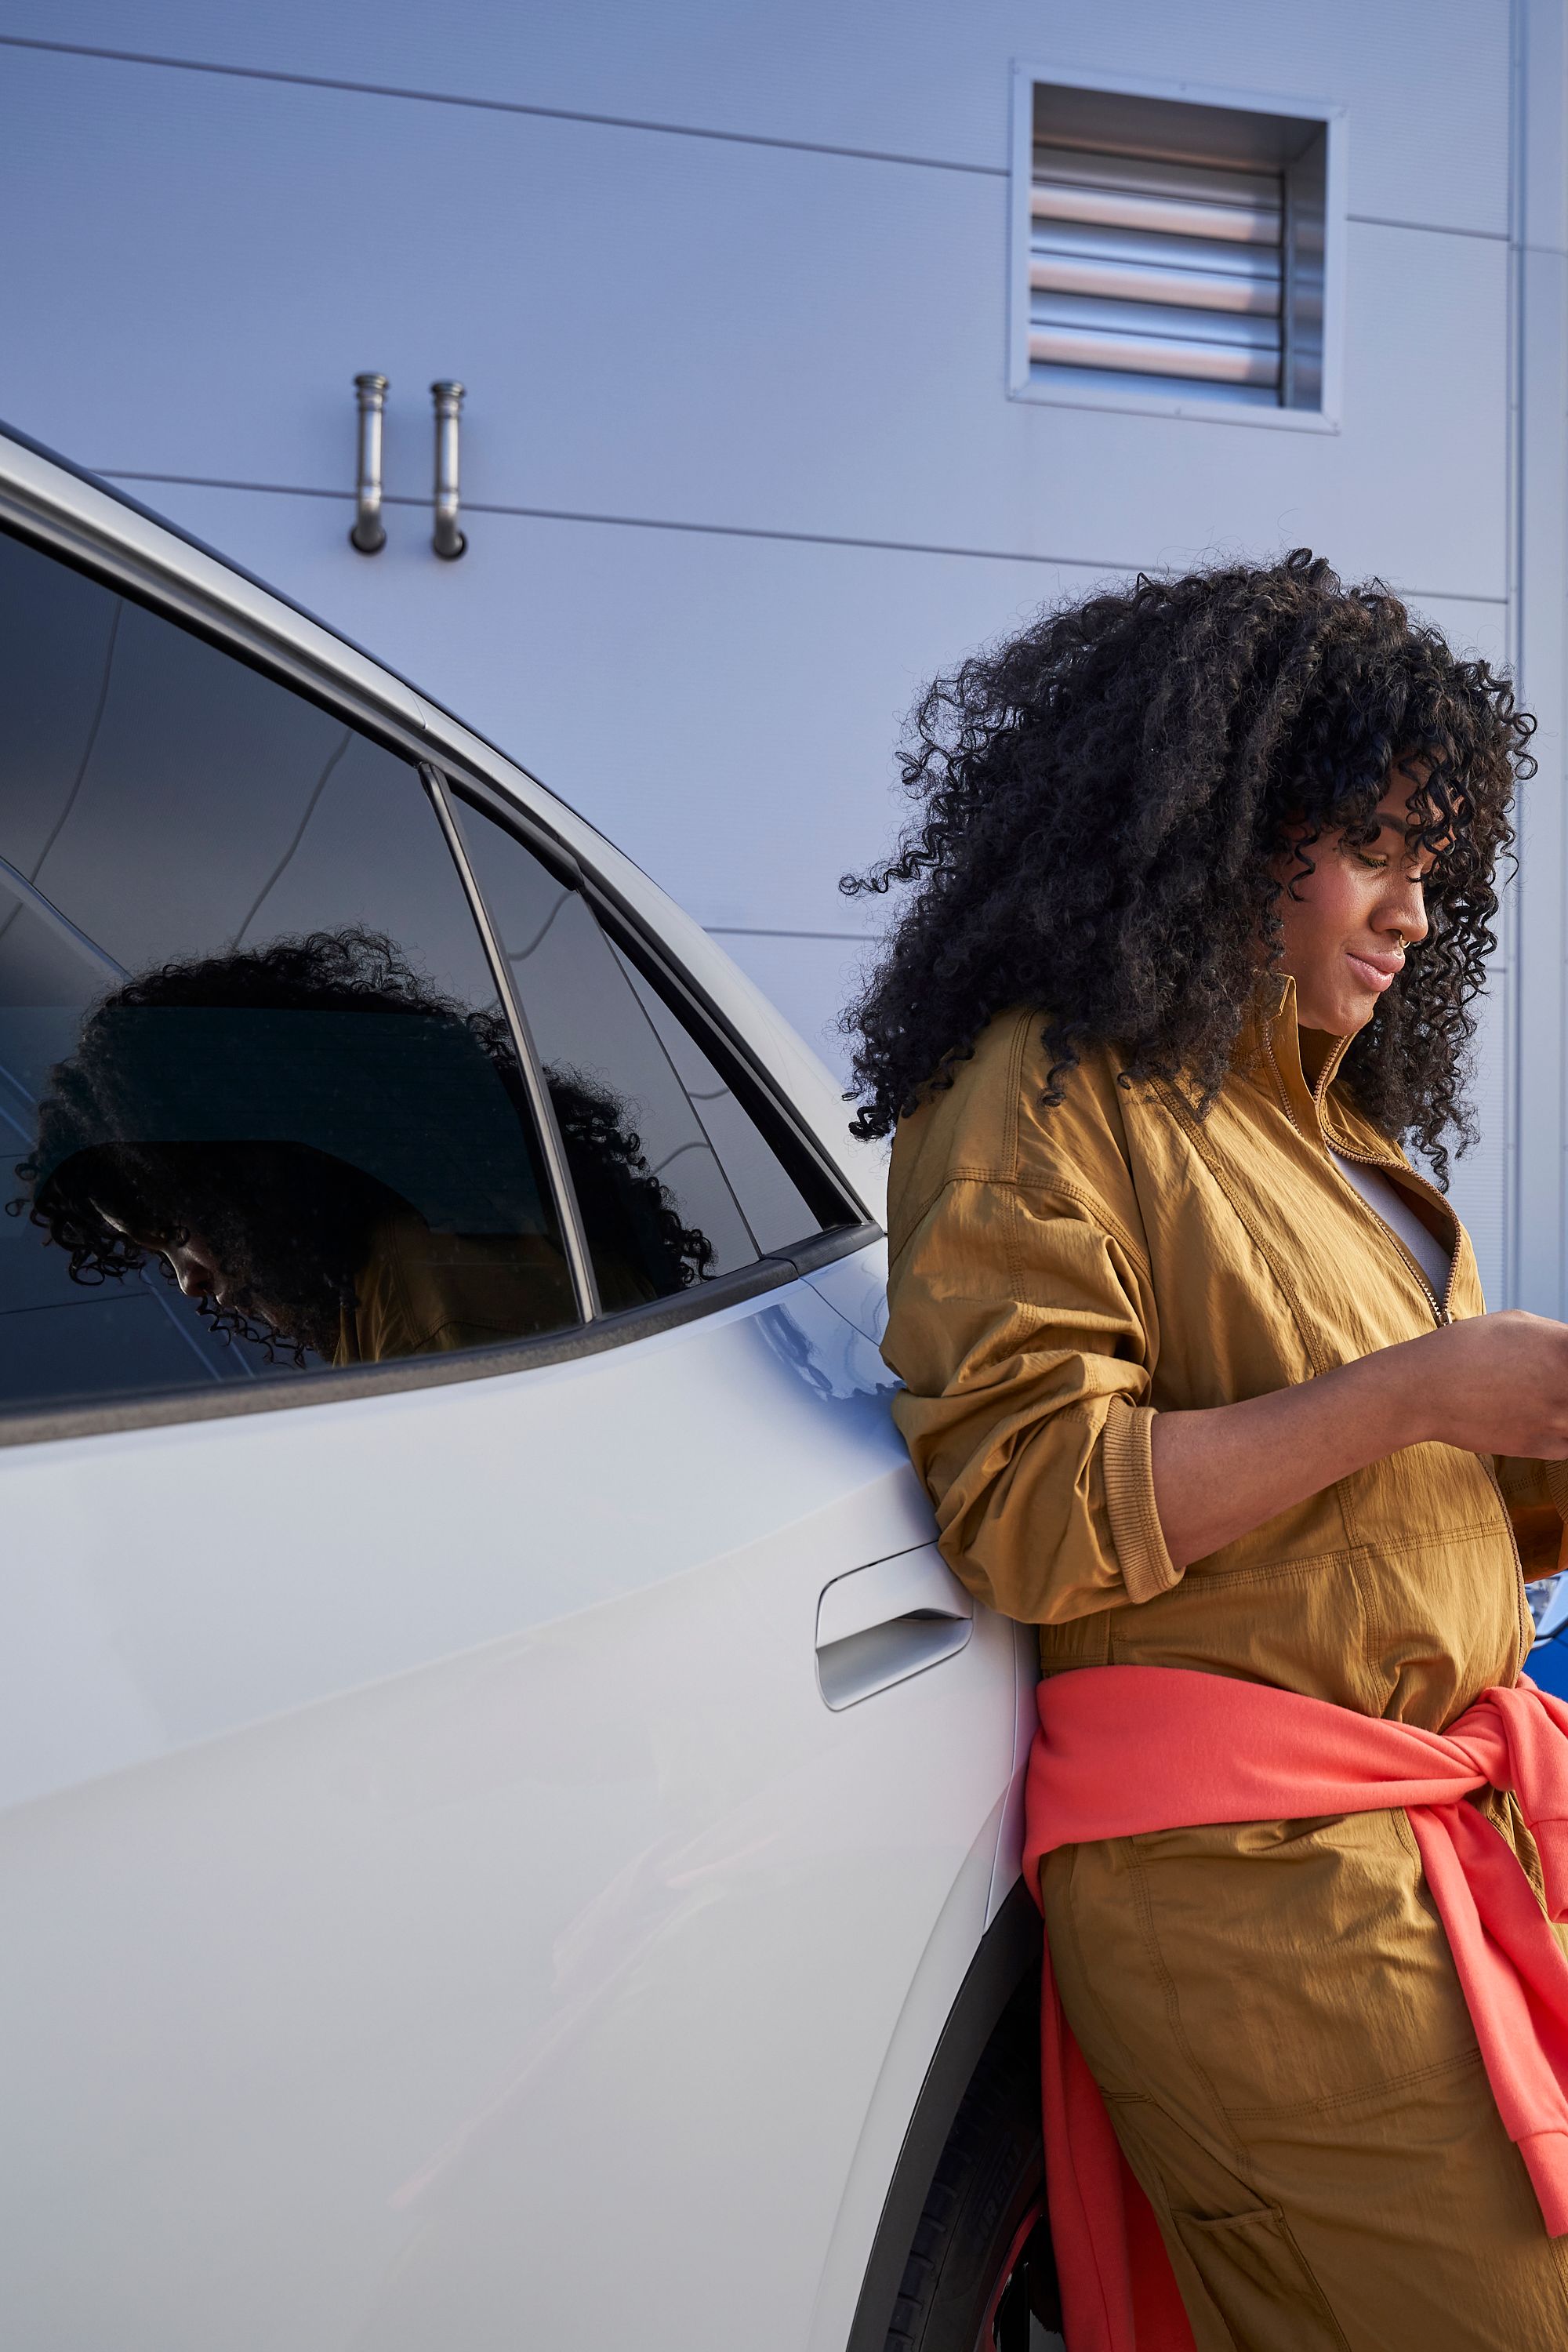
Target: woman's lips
1375	972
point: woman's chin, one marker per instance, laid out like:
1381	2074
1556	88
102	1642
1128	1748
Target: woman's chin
1342	1019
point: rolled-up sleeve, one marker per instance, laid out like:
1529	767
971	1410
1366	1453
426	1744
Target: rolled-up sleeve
1020	1323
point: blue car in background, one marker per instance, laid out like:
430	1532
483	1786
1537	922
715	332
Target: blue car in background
1547	1664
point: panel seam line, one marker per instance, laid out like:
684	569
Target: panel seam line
288	78
500	106
729	529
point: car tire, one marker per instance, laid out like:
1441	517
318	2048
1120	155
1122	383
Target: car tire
979	2276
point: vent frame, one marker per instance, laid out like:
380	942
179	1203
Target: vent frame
1164	132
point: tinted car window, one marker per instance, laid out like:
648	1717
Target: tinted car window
249	1035
707	1191
770	1200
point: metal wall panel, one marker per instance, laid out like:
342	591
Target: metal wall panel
1414	487
676	328
717	332
1428	79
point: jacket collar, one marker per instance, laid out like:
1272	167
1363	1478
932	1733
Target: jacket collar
1268	1052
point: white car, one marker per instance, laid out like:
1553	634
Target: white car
510	1830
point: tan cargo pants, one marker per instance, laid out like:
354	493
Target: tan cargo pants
1273	2015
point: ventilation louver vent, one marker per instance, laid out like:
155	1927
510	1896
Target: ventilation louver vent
1144	269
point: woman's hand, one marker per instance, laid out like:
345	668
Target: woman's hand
1492	1384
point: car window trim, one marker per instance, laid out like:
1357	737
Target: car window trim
584	1284
334	1384
130	573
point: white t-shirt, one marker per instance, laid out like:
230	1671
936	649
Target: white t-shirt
1399	1216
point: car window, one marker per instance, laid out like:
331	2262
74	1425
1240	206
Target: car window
703	1193
261	1101
770	1200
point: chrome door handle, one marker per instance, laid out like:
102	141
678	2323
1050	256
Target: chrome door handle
883	1622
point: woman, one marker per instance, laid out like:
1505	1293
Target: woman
1197	1373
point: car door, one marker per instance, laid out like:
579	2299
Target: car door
487	1744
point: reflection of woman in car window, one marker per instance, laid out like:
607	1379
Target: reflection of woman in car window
331	1156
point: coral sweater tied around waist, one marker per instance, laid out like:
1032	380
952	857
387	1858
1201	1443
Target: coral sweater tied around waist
1219	1749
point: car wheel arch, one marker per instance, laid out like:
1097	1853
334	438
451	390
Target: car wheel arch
1007	1953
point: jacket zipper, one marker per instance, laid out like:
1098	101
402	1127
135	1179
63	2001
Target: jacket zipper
1441	1312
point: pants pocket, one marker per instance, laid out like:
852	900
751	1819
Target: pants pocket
1253	2273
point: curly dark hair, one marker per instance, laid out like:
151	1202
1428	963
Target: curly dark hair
629	1217
1104	804
292	1225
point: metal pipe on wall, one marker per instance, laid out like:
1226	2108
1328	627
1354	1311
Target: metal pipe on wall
448	539
367	533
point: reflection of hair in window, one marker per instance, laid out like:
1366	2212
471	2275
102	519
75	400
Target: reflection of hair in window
294	1228
629	1217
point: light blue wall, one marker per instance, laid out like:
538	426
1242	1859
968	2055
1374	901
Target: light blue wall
728	284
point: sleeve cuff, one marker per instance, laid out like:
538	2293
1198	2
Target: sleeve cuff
1125	1460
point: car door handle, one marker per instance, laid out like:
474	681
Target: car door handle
883	1622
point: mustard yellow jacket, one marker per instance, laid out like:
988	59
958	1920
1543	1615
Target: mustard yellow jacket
1060	1275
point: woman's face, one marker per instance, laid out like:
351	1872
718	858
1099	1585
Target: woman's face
1348	923
196	1270
192	1263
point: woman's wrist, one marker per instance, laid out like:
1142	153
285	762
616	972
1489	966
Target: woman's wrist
1397	1394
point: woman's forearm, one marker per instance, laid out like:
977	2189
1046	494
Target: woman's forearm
1220	1473
1492	1384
